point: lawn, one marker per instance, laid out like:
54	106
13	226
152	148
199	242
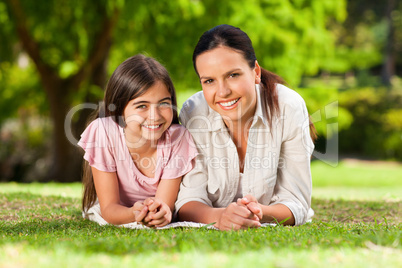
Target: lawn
357	224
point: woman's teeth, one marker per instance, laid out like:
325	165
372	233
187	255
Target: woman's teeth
230	103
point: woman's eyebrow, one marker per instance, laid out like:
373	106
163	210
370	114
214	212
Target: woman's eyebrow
225	74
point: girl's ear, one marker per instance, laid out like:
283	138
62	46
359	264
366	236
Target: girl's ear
257	70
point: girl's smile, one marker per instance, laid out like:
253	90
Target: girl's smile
148	116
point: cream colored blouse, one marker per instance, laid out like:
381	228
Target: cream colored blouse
277	162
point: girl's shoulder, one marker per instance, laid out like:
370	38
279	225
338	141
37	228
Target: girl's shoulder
176	132
177	136
101	129
103	124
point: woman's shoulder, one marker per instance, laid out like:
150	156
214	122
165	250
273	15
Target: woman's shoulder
194	106
288	97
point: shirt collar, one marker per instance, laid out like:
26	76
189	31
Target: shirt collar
217	122
259	113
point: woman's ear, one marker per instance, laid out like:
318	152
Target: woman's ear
257	70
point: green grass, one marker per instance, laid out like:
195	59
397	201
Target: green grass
358	180
41	226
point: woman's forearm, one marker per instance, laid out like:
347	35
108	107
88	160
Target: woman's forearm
199	212
277	213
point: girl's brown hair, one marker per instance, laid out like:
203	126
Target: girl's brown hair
234	38
130	80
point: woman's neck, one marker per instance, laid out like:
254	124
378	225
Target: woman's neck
239	134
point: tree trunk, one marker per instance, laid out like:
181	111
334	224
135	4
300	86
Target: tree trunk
64	166
388	67
66	159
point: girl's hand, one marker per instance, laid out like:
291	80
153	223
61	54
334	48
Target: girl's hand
237	216
159	213
140	211
252	204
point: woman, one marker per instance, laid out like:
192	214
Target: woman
253	139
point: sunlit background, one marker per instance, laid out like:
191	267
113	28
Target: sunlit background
344	58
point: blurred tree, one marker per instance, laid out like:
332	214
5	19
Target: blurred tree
68	47
370	36
70	44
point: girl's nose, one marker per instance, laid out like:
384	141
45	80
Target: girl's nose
154	113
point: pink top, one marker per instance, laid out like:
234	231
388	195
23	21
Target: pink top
106	150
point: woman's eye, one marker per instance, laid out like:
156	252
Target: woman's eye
141	107
234	75
209	81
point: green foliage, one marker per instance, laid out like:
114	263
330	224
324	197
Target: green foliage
376	130
25	147
21	93
323	106
290	37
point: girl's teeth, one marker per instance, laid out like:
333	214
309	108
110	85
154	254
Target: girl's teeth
152	126
230	103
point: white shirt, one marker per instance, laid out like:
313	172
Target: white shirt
277	162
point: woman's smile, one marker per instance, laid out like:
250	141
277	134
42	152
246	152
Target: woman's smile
228	105
228	83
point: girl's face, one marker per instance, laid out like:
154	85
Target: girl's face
149	115
228	83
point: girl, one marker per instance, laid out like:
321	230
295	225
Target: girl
135	151
257	132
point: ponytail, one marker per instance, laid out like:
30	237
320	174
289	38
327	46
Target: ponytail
269	96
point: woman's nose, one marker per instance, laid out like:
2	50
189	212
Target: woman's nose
223	90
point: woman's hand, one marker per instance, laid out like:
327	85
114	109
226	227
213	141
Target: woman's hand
159	213
252	204
238	216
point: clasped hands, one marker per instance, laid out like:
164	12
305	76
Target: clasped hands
152	212
243	214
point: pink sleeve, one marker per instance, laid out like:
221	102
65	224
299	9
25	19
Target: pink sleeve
182	156
96	142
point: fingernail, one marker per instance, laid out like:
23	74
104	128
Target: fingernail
245	199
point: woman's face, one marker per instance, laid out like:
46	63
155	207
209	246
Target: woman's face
149	115
228	84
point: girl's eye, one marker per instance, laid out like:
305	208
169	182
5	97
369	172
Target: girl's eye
164	104
234	75
141	107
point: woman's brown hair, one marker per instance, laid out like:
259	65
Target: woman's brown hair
130	80
234	38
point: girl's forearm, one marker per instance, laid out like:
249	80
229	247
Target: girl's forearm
118	214
199	212
277	213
